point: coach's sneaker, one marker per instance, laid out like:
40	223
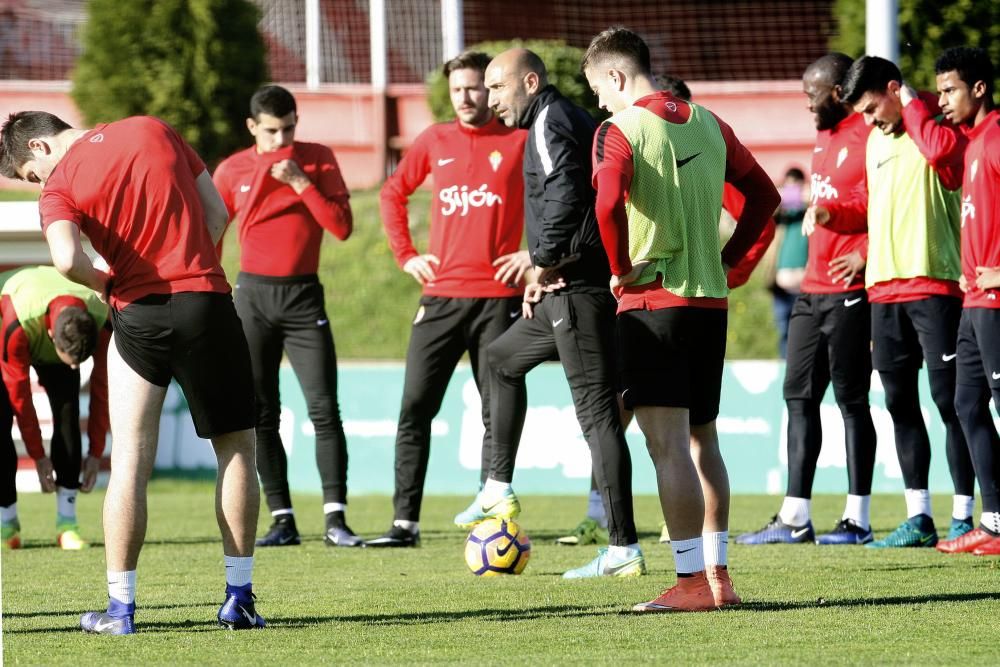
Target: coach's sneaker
587	531
632	565
691	593
779	532
396	537
238	612
338	533
68	538
966	543
847	532
722	586
664	534
118	620
282	533
991	548
10	534
960	527
917	531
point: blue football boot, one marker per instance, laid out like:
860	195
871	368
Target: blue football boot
847	532
779	532
118	620
238	612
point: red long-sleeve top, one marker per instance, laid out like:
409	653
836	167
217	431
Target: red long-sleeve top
280	230
15	365
981	209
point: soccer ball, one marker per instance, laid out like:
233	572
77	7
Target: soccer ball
497	546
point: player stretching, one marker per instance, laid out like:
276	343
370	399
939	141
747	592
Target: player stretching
285	193
52	325
574	320
965	86
913	165
144	199
469	274
659	166
830	330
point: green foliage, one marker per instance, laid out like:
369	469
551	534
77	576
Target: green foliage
561	61
926	28
193	63
422	606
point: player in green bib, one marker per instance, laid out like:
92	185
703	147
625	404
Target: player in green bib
52	325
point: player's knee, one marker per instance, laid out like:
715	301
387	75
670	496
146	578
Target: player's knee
943	392
969	402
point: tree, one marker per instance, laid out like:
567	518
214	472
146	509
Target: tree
193	63
561	61
926	28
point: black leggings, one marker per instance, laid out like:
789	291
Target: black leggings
913	446
972	403
805	439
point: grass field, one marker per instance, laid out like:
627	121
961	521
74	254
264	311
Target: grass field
803	604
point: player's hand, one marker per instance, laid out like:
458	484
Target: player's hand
512	267
46	474
618	283
963	284
290	173
91	466
988	277
551	279
421	267
532	294
814	215
906	94
843	269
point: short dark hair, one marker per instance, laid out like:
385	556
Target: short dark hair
674	85
20	128
618	42
476	60
971	63
272	100
869	74
75	333
832	67
796	173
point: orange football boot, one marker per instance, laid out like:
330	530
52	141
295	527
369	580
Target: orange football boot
966	543
991	548
722	586
689	594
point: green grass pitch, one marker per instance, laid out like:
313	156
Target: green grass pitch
803	604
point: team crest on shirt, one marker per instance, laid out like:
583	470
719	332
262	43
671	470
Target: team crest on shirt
841	156
495	159
973	169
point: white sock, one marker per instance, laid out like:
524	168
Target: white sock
961	506
9	513
493	488
121	586
66	503
282	512
716	546
239	570
918	501
624	553
595	508
689	555
991	522
334	507
795	511
858	510
412	526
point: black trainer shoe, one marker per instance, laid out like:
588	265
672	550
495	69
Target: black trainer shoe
282	533
396	537
338	533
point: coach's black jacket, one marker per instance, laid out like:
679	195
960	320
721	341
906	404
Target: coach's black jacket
558	194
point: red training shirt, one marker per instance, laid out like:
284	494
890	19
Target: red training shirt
130	187
981	209
477	214
15	365
838	170
280	230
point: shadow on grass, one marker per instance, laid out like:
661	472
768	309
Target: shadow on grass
902	600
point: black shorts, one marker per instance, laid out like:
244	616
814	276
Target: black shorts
829	340
979	348
905	334
673	358
196	338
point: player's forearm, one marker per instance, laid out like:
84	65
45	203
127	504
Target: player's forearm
612	220
941	144
332	213
395	221
98	422
762	199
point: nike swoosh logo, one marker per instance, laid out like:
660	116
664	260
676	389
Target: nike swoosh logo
684	551
879	165
515	313
850	302
320	323
684	161
250	617
101	626
818	149
244	188
445	161
796	534
948	357
615	569
503	552
489	508
556	323
996	376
